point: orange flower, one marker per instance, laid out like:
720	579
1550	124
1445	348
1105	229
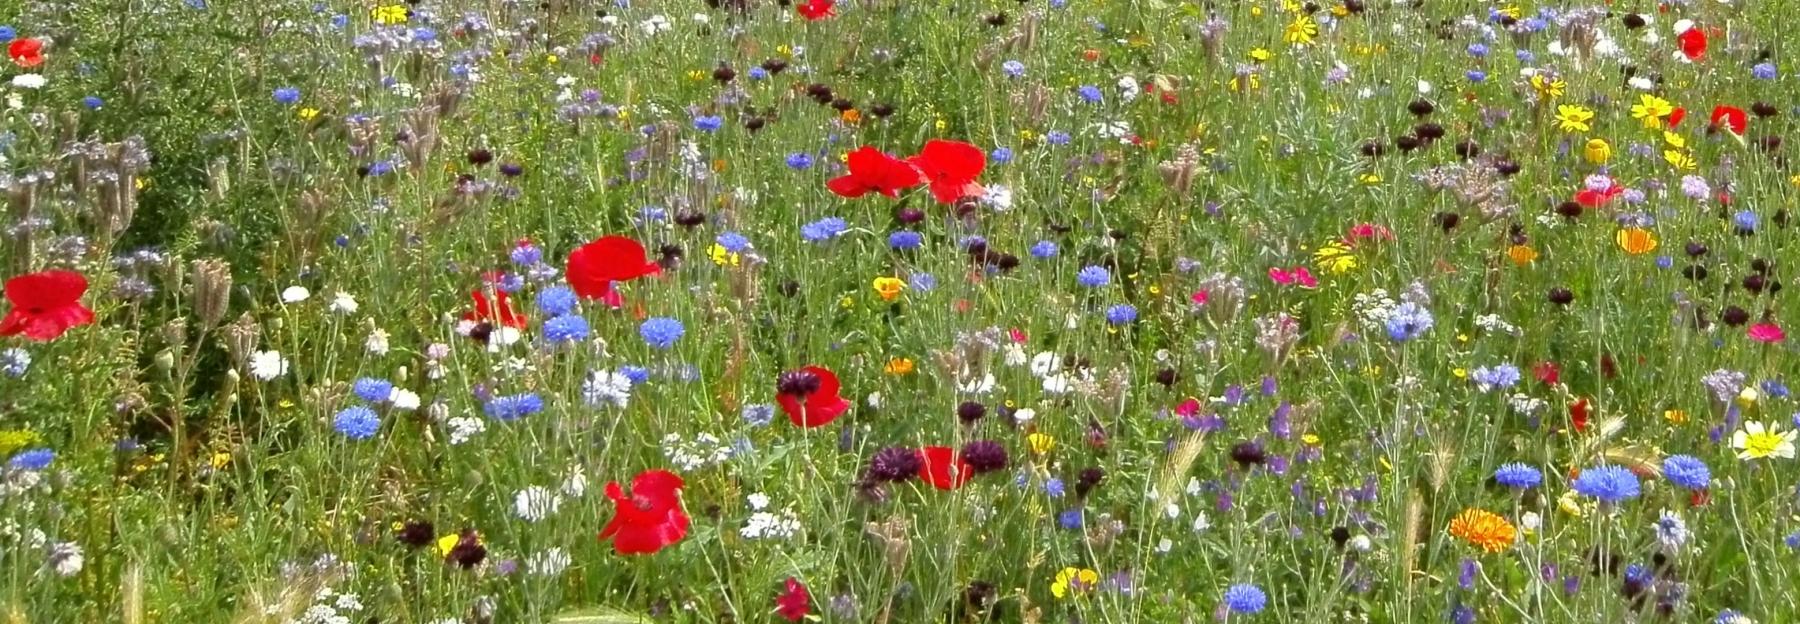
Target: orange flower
1521	254
1636	241
851	116
1483	528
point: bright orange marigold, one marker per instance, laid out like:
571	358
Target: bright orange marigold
1484	528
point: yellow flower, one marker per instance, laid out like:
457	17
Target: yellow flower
899	366
1310	439
1484	528
16	439
1255	11
1460	373
1650	110
847	302
447	542
722	256
1747	398
1573	118
1674	140
551	59
1511	10
390	14
1547	86
1675	416
1261	55
1597	151
1236	85
1571	505
851	116
1040	443
1302	30
941	124
1335	257
696	75
1073	580
1680	160
889	287
308	113
1636	241
1521	254
1369	179
1759	440
220	460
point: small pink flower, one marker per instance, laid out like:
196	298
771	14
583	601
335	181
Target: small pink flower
1281	276
1305	277
1297	275
1767	332
1018	335
1199	297
1362	231
1188	408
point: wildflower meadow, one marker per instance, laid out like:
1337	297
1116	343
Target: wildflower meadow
738	311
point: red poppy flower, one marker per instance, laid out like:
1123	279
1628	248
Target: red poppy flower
26	52
1547	373
595	266
1578	415
951	167
498	311
1730	118
1595	199
872	171
1675	116
943	467
1693	43
651	518
46	304
794	602
810	396
817	9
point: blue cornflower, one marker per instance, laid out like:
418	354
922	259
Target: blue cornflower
1001	155
758	73
340	21
733	242
1730	616
372	390
526	254
1519	476
637	374
1525	56
1043	250
661	332
514	407
556	300
7	34
974	242
566	328
1462	614
653	213
287	95
1408	321
14	362
1069	519
1478	50
799	160
510	283
1775	389
1053	488
824	229
1763	71
758	414
1745	221
1093	277
1057	137
34	459
1687	471
1013	69
1664	262
1090	94
1501	376
1610	484
1245	598
1475	75
357	422
922	282
708	123
93	102
905	239
1121	314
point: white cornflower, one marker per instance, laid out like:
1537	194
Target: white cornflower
604	388
1045	364
377	342
535	503
66	559
403	399
343	303
29	81
463	427
295	294
576	483
267	365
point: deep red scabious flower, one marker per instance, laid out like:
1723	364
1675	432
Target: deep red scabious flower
595	266
810	396
45	304
1730	118
944	468
651	518
873	171
498	311
26	52
1693	43
951	167
1578	415
794	602
1547	373
814	10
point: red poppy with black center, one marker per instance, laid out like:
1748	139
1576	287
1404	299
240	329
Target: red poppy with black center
44	305
498	311
873	171
26	52
809	396
1595	199
1693	43
650	518
1730	118
951	167
944	468
817	9
594	267
794	602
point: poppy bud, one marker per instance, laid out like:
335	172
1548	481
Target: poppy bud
1355	6
1561	296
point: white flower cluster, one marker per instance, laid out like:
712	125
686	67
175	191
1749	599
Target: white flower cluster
464	427
548	563
704	450
1373	309
330	607
765	524
1494	324
535	503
